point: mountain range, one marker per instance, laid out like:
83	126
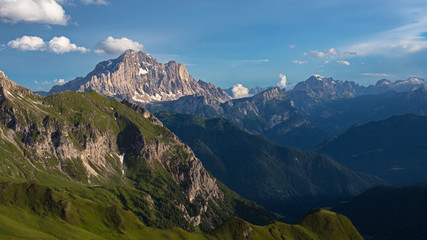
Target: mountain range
79	165
286	180
394	149
302	117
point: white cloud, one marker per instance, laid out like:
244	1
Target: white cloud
283	80
409	38
299	62
343	62
28	43
256	61
55	81
57	45
62	44
97	2
33	11
332	51
326	62
318	54
377	74
59	81
239	91
292	46
117	45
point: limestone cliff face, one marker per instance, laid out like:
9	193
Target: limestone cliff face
138	77
88	138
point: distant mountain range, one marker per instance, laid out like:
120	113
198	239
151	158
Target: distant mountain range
389	213
269	113
286	180
394	149
334	105
302	117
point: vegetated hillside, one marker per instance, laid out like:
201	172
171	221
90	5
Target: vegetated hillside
113	153
389	213
46	213
269	113
394	149
283	179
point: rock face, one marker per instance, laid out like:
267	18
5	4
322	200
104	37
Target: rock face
92	140
138	77
270	113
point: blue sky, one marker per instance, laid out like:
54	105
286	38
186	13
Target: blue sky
252	42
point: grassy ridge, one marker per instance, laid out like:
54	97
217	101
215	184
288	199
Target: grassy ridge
33	211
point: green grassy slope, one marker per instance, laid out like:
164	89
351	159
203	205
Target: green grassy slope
32	211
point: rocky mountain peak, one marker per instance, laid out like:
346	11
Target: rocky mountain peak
138	77
8	87
274	93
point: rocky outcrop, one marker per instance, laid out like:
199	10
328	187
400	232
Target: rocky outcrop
138	77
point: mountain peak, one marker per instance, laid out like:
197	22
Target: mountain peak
138	77
8	86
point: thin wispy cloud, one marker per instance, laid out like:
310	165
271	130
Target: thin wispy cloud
329	53
33	11
299	62
256	61
377	74
406	39
97	2
343	62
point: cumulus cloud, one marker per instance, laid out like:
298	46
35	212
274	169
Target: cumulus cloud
299	62
28	43
343	62
117	45
59	81
57	45
283	80
62	44
33	11
239	91
97	2
376	74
